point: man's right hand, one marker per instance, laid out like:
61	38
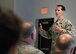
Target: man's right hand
40	27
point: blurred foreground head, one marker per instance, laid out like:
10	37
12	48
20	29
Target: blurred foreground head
64	42
10	27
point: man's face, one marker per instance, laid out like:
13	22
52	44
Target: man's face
58	12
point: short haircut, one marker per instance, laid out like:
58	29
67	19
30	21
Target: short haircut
63	7
9	29
26	32
65	45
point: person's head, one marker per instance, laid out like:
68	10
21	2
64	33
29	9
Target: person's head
28	33
9	29
64	42
59	11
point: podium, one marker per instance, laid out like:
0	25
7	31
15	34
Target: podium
43	43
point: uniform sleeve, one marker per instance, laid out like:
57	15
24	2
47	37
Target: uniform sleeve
45	34
41	52
69	28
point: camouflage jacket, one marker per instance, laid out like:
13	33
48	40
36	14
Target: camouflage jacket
66	25
23	48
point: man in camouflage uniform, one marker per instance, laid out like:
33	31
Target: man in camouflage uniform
61	25
28	36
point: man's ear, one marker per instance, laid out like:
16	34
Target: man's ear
32	35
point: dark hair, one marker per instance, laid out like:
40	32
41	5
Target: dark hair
9	29
63	7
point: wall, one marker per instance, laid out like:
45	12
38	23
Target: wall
31	9
25	9
7	3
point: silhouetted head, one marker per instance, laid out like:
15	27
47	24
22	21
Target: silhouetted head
9	29
28	33
64	42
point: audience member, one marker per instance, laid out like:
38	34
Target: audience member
64	44
10	27
27	38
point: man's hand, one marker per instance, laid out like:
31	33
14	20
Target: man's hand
40	28
58	28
